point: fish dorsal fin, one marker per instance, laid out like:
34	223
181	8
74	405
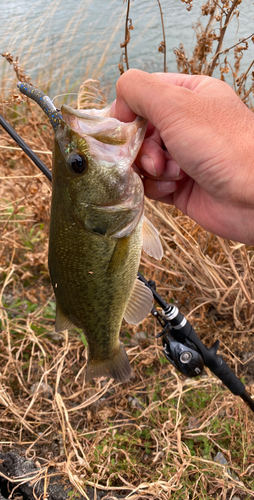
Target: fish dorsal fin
62	322
140	303
151	240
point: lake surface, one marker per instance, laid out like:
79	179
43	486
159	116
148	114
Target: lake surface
67	41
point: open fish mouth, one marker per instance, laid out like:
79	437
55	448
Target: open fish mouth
100	125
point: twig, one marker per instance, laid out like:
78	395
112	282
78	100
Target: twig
35	151
22	77
233	46
162	47
244	76
222	34
246	95
220	7
127	36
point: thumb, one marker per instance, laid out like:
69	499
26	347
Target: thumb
144	94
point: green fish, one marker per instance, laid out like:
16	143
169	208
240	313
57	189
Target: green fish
97	230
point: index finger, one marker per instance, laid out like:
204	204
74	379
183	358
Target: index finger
141	93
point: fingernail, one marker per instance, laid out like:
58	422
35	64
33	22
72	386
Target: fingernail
171	170
166	186
148	165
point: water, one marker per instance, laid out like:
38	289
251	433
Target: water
67	41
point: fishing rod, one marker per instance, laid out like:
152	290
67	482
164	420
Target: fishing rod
184	349
25	147
181	345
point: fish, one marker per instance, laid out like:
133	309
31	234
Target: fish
97	230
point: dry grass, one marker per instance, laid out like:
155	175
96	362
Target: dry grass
155	437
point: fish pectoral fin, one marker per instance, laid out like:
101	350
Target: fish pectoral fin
117	367
62	322
140	303
151	240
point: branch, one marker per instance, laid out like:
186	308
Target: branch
162	47
233	46
127	34
223	31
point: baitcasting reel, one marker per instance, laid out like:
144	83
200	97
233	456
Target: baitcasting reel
184	349
184	357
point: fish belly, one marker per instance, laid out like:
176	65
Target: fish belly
93	276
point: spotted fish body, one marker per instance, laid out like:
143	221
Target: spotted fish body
96	230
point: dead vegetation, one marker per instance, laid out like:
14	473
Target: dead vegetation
157	436
210	57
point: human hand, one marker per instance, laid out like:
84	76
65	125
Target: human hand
198	153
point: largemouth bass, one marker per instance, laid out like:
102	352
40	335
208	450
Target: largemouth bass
97	229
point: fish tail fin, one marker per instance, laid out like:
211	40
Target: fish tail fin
117	367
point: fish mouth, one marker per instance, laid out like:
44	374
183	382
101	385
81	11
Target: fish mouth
107	137
93	122
98	124
97	115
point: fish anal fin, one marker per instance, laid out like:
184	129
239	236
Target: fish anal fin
117	367
140	303
151	240
62	322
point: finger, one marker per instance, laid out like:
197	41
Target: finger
134	89
172	170
122	111
151	131
159	189
153	134
156	162
174	193
196	83
152	158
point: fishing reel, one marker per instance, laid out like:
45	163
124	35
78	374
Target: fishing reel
179	351
186	352
184	357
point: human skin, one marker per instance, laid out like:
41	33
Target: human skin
198	153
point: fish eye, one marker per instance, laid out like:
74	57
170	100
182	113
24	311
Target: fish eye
77	162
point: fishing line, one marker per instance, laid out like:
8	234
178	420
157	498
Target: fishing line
89	95
181	345
63	95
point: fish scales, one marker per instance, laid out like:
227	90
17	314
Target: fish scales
93	293
96	230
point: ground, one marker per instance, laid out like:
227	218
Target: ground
156	436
